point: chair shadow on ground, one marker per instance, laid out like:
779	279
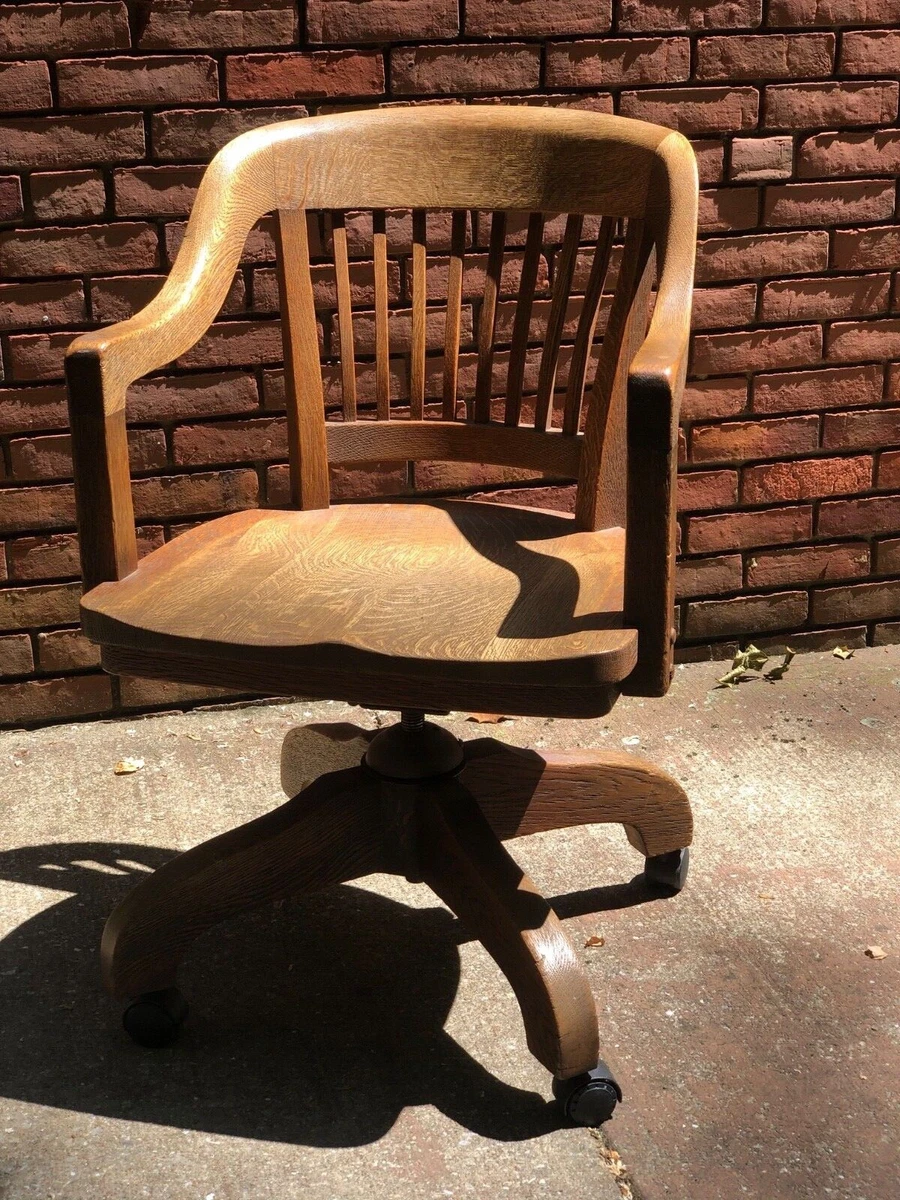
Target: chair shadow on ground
314	1022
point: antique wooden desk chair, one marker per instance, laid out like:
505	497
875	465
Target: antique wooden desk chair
421	605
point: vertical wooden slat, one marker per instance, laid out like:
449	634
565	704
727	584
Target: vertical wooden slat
303	372
454	313
487	318
587	323
522	324
345	315
600	498
562	286
382	342
417	361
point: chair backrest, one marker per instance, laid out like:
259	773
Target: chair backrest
546	226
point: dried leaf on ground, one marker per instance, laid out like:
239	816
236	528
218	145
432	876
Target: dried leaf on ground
750	659
487	718
842	652
875	952
594	940
128	766
781	670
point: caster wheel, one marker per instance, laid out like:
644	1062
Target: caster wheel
589	1099
155	1019
667	874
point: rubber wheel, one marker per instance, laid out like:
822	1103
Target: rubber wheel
666	874
154	1020
588	1099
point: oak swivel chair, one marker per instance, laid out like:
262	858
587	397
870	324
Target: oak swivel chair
421	605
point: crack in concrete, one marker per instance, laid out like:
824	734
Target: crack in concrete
612	1161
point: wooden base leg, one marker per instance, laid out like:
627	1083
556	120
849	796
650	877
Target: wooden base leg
462	860
526	791
328	834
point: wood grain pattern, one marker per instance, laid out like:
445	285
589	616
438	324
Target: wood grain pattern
345	316
462	860
454	308
562	288
587	323
417	357
488	316
382	337
304	400
521	326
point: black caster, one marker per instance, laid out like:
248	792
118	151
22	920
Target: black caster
155	1019
667	874
589	1099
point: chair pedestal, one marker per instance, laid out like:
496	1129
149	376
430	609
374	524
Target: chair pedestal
424	805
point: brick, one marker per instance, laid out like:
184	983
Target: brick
710	155
362	286
806	479
189	397
16	657
63	28
381	20
761	158
889	470
536	18
887	557
735	441
865	516
44	604
871	153
746	530
805	105
31	142
439	70
23	409
618	61
854	341
66	650
36	507
829	203
348	482
875	53
708	576
224	25
50	457
294	76
122	296
398	232
761	254
551	499
728	208
766	56
26	304
713	398
155	191
230	442
893	380
55	555
55	699
116	82
833	12
756	350
864	249
10	197
835	387
24	86
236	343
808	564
652	15
814	640
698	490
183	134
75	250
887	634
67	195
857	602
746	614
831	296
716	307
162	498
34	356
695	110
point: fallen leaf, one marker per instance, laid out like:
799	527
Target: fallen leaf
875	952
195	737
781	670
487	718
750	659
766	896
842	652
595	941
128	766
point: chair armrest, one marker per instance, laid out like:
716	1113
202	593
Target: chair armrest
236	190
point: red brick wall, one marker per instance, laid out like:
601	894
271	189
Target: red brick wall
790	494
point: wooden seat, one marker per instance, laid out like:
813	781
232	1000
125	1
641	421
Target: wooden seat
486	594
457	285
